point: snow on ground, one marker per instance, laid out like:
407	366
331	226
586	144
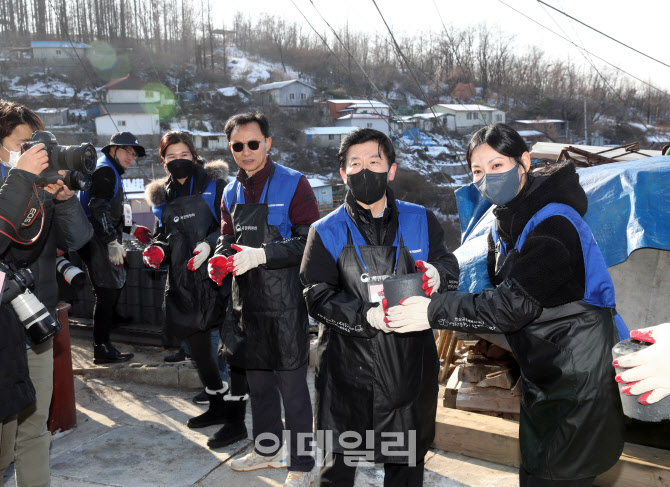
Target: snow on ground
242	67
53	87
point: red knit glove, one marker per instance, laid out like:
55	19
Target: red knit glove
153	256
143	234
217	267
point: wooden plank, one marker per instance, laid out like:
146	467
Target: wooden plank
478	436
497	440
473	398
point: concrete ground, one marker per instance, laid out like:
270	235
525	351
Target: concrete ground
134	434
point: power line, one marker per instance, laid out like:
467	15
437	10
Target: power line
585	50
607	83
603	34
423	93
368	78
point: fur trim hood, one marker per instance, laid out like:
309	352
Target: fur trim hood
156	191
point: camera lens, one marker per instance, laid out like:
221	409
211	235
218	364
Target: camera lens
77	181
74	158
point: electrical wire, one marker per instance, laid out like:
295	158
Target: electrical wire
448	179
607	83
603	34
589	52
423	93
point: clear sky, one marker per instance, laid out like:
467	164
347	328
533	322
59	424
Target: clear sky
642	25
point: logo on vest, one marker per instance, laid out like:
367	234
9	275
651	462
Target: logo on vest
415	251
365	277
183	217
246	228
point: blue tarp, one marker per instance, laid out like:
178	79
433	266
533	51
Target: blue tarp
629	208
411	136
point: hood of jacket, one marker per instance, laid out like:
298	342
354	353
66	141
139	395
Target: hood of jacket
156	192
552	184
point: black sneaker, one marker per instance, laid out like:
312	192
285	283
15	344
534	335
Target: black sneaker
179	357
202	398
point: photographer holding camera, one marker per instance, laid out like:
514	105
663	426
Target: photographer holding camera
37	215
110	214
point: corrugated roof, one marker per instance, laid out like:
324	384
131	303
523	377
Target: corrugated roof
531	122
328	130
467	108
362	103
50	110
279	84
125	83
58	44
362	115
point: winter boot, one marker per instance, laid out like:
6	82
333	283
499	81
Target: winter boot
107	354
233	428
213	415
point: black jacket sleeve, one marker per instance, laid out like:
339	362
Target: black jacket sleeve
505	309
439	256
16	194
102	191
74	229
326	302
287	252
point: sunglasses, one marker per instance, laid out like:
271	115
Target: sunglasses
252	144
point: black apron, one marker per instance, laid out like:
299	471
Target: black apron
571	423
191	297
95	253
270	325
387	383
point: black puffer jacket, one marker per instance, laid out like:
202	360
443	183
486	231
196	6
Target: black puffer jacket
571	418
193	301
16	199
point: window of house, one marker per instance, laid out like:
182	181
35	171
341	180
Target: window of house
498	118
291	96
369	125
121	123
269	97
58	52
469	116
149	94
303	96
331	137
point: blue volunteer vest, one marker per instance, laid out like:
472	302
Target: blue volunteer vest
85	196
209	195
599	289
277	196
412	220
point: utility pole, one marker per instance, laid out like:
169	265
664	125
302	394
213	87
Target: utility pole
586	132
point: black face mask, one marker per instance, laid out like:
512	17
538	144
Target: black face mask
368	186
181	168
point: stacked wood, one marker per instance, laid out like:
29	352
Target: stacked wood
486	380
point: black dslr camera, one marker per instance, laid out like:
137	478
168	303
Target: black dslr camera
34	316
78	162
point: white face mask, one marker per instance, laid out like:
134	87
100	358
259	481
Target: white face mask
13	156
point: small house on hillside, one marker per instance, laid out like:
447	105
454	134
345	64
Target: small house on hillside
133	90
325	136
340	108
554	129
286	94
434	121
127	117
469	117
364	120
58	53
53	116
203	140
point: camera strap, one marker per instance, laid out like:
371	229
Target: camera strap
18	239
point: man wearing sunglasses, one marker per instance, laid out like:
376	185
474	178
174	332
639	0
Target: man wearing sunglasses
108	210
265	218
